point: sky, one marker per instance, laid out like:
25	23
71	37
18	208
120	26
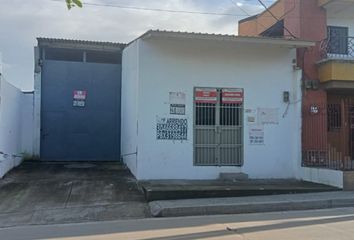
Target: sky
22	21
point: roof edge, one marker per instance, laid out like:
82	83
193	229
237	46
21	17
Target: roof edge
231	38
71	43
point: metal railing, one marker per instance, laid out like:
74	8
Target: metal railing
328	135
337	48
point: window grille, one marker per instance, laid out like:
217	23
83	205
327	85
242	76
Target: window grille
334	115
338	40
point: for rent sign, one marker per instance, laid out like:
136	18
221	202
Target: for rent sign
206	95
232	96
79	98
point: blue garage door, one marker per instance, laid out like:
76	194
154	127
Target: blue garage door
80	111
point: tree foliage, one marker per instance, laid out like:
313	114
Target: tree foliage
73	3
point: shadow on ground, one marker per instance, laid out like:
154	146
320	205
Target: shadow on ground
50	193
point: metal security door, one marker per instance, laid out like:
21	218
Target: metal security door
218	127
80	111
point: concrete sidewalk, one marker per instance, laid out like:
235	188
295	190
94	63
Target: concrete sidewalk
255	204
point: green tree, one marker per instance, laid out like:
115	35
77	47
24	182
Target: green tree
73	3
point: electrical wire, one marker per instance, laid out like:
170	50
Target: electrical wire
270	12
248	14
158	9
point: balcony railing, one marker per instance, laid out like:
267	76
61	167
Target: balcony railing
338	48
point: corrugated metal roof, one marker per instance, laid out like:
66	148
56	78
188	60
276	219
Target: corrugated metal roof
80	44
63	40
226	37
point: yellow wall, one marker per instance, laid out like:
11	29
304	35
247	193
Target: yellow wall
336	70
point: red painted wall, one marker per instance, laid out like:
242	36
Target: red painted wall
305	20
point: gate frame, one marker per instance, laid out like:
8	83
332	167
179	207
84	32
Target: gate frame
217	120
39	55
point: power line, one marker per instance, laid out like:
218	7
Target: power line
170	10
243	10
158	9
270	12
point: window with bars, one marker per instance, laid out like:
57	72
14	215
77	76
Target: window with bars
338	40
218	127
334	115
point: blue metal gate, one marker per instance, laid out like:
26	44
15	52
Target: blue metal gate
80	132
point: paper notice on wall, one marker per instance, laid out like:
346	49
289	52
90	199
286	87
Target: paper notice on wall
256	135
177	103
177	98
251	116
268	115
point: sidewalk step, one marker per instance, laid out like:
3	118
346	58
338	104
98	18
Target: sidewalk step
188	189
255	204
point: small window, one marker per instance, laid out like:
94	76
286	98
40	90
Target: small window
62	54
103	57
334	115
337	40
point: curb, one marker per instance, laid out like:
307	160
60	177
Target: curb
216	206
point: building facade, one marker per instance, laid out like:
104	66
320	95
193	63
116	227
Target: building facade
327	81
197	105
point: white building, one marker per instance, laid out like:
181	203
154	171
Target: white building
197	105
15	125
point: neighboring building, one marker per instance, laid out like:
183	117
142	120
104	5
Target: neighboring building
328	80
197	105
77	100
15	125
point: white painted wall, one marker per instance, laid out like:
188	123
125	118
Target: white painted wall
323	176
16	125
37	103
129	115
10	126
178	66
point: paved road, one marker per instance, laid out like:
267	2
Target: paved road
336	224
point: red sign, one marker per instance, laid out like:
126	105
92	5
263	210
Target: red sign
232	96
80	95
79	98
206	95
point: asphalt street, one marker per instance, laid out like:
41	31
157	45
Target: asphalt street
336	224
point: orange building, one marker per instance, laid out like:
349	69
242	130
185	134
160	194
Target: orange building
328	75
